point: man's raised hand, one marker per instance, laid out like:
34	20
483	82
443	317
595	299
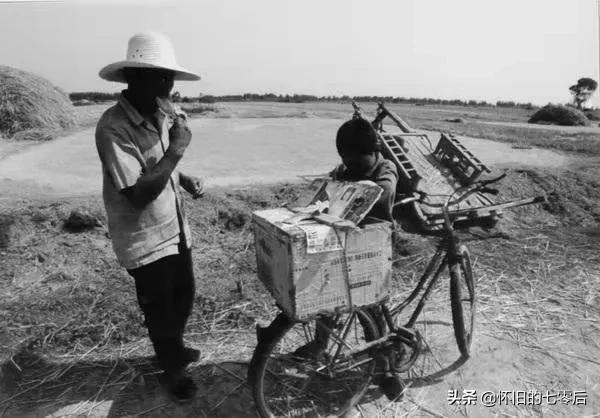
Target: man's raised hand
179	137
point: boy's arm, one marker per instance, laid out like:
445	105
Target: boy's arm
387	179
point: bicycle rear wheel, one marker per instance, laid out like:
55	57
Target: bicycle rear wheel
287	384
462	299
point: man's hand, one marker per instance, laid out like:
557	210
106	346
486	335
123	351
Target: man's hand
192	185
179	137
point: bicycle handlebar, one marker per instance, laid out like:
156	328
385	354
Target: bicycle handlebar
468	190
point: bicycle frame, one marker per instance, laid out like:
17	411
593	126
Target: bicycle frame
428	280
446	253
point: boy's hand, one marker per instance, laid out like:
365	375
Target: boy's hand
333	174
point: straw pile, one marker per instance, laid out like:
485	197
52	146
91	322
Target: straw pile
31	107
559	115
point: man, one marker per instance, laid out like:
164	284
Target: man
146	218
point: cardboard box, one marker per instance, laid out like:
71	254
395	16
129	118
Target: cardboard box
303	265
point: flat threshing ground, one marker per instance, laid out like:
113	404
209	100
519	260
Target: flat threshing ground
72	341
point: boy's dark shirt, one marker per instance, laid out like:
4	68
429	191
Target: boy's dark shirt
385	175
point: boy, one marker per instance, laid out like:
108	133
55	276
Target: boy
358	146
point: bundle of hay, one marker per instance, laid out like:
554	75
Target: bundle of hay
31	105
559	115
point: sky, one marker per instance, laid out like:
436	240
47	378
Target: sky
522	50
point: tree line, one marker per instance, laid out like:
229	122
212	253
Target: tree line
302	98
93	96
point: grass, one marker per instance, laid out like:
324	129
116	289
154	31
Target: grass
580	142
537	295
74	337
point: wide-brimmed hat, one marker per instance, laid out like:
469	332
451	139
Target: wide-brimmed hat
148	50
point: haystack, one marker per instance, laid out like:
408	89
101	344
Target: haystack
30	103
560	115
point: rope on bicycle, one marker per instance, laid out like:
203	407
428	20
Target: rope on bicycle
345	271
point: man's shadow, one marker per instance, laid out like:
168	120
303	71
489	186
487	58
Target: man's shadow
35	387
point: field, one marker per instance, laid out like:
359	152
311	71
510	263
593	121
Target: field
499	124
72	342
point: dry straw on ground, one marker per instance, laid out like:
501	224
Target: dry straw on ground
31	107
80	338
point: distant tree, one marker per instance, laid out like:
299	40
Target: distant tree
176	97
94	96
206	98
583	90
509	103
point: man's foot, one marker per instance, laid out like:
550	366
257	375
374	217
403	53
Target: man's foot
191	355
179	386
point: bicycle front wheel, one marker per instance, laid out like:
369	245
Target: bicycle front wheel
462	298
287	381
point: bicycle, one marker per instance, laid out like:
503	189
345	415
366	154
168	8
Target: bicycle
363	342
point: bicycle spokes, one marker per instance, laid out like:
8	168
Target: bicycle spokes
303	377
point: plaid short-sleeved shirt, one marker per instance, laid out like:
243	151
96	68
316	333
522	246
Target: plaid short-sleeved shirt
129	146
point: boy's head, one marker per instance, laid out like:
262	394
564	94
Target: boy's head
357	144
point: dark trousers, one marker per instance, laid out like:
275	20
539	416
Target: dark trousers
165	291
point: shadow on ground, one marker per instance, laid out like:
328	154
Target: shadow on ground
34	387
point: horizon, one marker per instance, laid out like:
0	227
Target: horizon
318	97
463	50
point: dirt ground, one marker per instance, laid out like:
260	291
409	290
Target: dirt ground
72	341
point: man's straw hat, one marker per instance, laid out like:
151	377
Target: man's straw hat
147	50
